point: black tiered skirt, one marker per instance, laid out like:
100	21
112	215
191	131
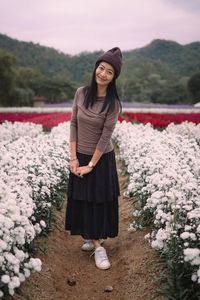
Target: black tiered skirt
92	208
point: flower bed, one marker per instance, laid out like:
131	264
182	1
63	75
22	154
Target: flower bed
34	167
48	120
162	120
164	170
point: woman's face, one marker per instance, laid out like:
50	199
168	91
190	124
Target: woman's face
104	74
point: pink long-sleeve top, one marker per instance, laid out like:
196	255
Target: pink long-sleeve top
91	129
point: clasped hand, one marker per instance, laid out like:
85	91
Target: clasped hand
79	171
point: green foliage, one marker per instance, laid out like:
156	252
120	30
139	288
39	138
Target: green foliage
19	85
156	73
7	77
194	87
175	93
175	279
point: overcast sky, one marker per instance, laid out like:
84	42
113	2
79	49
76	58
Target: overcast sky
73	26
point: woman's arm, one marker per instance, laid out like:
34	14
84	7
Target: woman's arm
73	137
74	163
73	150
109	126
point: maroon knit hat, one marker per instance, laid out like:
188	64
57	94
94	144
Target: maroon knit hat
113	57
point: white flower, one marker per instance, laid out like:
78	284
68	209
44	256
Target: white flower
1	294
147	236
37	228
195	213
19	254
42	223
27	272
21	277
185	235
196	261
191	253
198	272
5	278
164	175
11	291
188	227
15	282
157	244
198	229
3	245
35	264
132	228
11	258
194	277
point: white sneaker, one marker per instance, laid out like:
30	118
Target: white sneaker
101	258
88	245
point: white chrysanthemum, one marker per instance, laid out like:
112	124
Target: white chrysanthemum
1	294
27	272
164	174
11	258
5	279
32	167
14	283
157	244
36	264
191	253
19	254
185	235
3	245
42	223
194	277
21	277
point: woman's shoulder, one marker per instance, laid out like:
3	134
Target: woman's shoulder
80	95
81	90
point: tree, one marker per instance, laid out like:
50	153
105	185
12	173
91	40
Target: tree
7	77
194	87
31	82
27	77
173	94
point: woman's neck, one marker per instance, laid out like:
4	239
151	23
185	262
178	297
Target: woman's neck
101	91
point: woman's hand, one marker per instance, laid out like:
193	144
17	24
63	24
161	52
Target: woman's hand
74	164
83	170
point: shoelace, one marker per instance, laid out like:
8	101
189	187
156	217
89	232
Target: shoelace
92	253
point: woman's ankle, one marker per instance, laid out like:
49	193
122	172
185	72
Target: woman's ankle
96	243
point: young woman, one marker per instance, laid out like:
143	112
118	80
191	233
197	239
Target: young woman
93	188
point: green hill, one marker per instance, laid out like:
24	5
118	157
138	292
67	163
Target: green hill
166	58
183	60
158	72
49	61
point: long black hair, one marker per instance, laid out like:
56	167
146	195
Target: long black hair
111	94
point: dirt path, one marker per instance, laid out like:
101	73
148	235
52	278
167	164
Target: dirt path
132	274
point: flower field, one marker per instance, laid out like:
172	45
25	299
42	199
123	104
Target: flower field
51	119
48	120
162	120
34	167
164	170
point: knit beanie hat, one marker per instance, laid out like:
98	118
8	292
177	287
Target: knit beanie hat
113	57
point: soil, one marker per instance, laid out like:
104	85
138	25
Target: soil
70	273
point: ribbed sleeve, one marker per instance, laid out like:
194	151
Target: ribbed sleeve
109	125
73	124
